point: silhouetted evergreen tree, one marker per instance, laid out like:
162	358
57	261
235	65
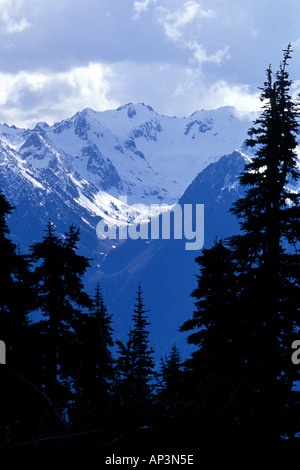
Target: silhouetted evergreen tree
141	354
21	407
247	304
215	297
94	362
267	257
123	387
213	378
104	322
15	289
135	363
17	297
58	273
171	380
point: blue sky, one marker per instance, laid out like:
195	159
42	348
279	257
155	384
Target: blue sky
178	56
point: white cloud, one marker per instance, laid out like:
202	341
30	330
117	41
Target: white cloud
29	97
176	91
200	55
182	26
52	96
175	22
175	55
192	90
12	19
141	6
224	94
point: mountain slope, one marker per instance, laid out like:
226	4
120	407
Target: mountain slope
76	171
165	268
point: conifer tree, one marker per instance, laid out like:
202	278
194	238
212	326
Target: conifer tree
124	385
18	405
172	378
95	371
247	310
16	295
104	321
212	375
58	273
141	354
215	299
267	256
103	326
8	262
135	362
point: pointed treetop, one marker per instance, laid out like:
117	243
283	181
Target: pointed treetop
72	237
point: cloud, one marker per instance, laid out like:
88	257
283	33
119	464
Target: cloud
140	6
222	93
201	56
182	26
46	96
12	19
176	91
175	22
176	55
193	90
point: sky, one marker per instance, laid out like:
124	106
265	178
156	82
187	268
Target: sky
178	56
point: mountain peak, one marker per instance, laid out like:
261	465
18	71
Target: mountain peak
41	125
88	112
133	109
149	157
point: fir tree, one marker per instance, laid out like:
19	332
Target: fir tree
247	311
8	263
104	321
16	294
141	354
135	363
212	375
94	362
19	406
171	378
214	299
267	258
124	384
58	273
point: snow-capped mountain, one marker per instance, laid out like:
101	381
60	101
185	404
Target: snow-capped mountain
131	150
86	162
75	171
